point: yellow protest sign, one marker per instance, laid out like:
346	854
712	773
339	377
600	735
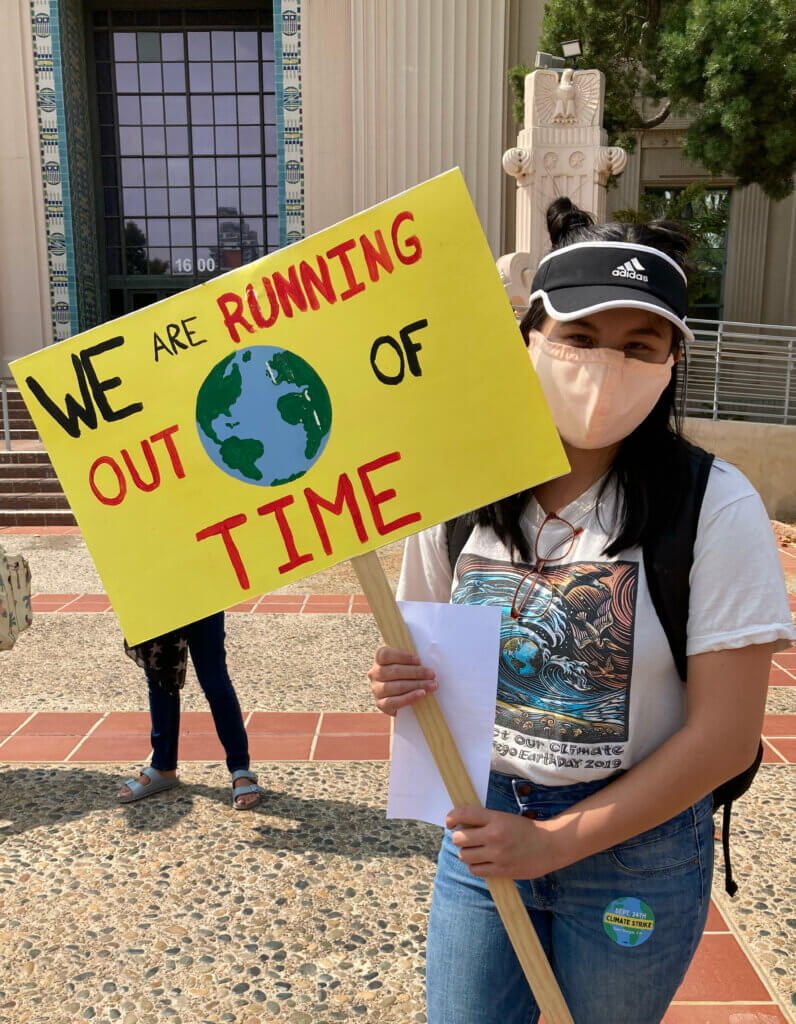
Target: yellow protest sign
358	386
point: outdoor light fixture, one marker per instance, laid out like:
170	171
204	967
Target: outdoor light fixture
572	48
548	60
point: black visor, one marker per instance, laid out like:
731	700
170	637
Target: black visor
589	277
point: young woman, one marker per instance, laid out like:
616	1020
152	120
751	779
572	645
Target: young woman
603	762
164	660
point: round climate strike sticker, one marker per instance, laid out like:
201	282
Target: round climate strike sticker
628	921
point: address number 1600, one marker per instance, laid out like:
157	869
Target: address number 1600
203	266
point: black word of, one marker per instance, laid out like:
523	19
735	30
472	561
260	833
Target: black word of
410	347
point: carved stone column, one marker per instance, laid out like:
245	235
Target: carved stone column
561	151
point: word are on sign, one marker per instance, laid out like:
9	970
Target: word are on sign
362	384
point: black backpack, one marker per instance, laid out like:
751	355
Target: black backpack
667	564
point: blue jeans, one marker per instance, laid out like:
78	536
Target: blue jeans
206	646
619	928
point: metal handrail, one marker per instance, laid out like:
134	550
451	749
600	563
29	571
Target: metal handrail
4	402
741	371
742	323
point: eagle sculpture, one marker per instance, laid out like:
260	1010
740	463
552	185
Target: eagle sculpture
572	99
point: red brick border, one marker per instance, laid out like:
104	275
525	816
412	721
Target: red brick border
285	604
72	736
329	736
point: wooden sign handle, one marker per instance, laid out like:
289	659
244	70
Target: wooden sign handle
461	791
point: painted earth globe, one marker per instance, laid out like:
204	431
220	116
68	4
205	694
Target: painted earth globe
263	415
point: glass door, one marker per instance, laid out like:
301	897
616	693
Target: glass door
186	123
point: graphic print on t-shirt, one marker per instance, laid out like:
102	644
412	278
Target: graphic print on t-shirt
566	659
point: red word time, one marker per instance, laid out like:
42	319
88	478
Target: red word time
344	500
313	504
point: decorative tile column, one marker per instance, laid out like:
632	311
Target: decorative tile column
287	51
82	206
54	166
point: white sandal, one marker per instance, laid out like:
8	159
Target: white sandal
244	773
157	784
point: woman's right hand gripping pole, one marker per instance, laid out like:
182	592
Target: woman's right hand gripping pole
397	679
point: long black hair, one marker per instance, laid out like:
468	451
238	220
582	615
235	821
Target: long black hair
650	468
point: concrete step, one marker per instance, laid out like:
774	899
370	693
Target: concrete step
22	471
29	485
28	458
37	517
31	500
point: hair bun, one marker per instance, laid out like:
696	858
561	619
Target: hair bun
564	218
669	236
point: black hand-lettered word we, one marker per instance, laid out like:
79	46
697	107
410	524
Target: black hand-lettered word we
90	385
172	344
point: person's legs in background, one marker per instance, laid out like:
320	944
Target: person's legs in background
206	646
164	710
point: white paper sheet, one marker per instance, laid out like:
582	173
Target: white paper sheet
461	643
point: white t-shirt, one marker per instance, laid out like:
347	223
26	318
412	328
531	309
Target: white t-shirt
587	683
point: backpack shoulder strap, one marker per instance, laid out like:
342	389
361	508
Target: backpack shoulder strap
668	559
667	562
458	532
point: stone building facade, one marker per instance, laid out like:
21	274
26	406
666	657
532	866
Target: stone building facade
221	132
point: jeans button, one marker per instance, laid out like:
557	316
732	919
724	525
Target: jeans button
524	789
530	814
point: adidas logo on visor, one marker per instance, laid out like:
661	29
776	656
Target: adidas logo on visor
632	268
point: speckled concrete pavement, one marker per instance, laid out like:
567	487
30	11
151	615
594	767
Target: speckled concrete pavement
311	909
276	662
763	912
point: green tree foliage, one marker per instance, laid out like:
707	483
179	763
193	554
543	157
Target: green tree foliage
731	67
727	65
702	213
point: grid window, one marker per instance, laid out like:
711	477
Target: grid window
709	213
186	122
173	78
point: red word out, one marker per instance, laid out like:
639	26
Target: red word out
108	476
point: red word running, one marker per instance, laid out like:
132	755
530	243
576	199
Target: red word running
303	285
